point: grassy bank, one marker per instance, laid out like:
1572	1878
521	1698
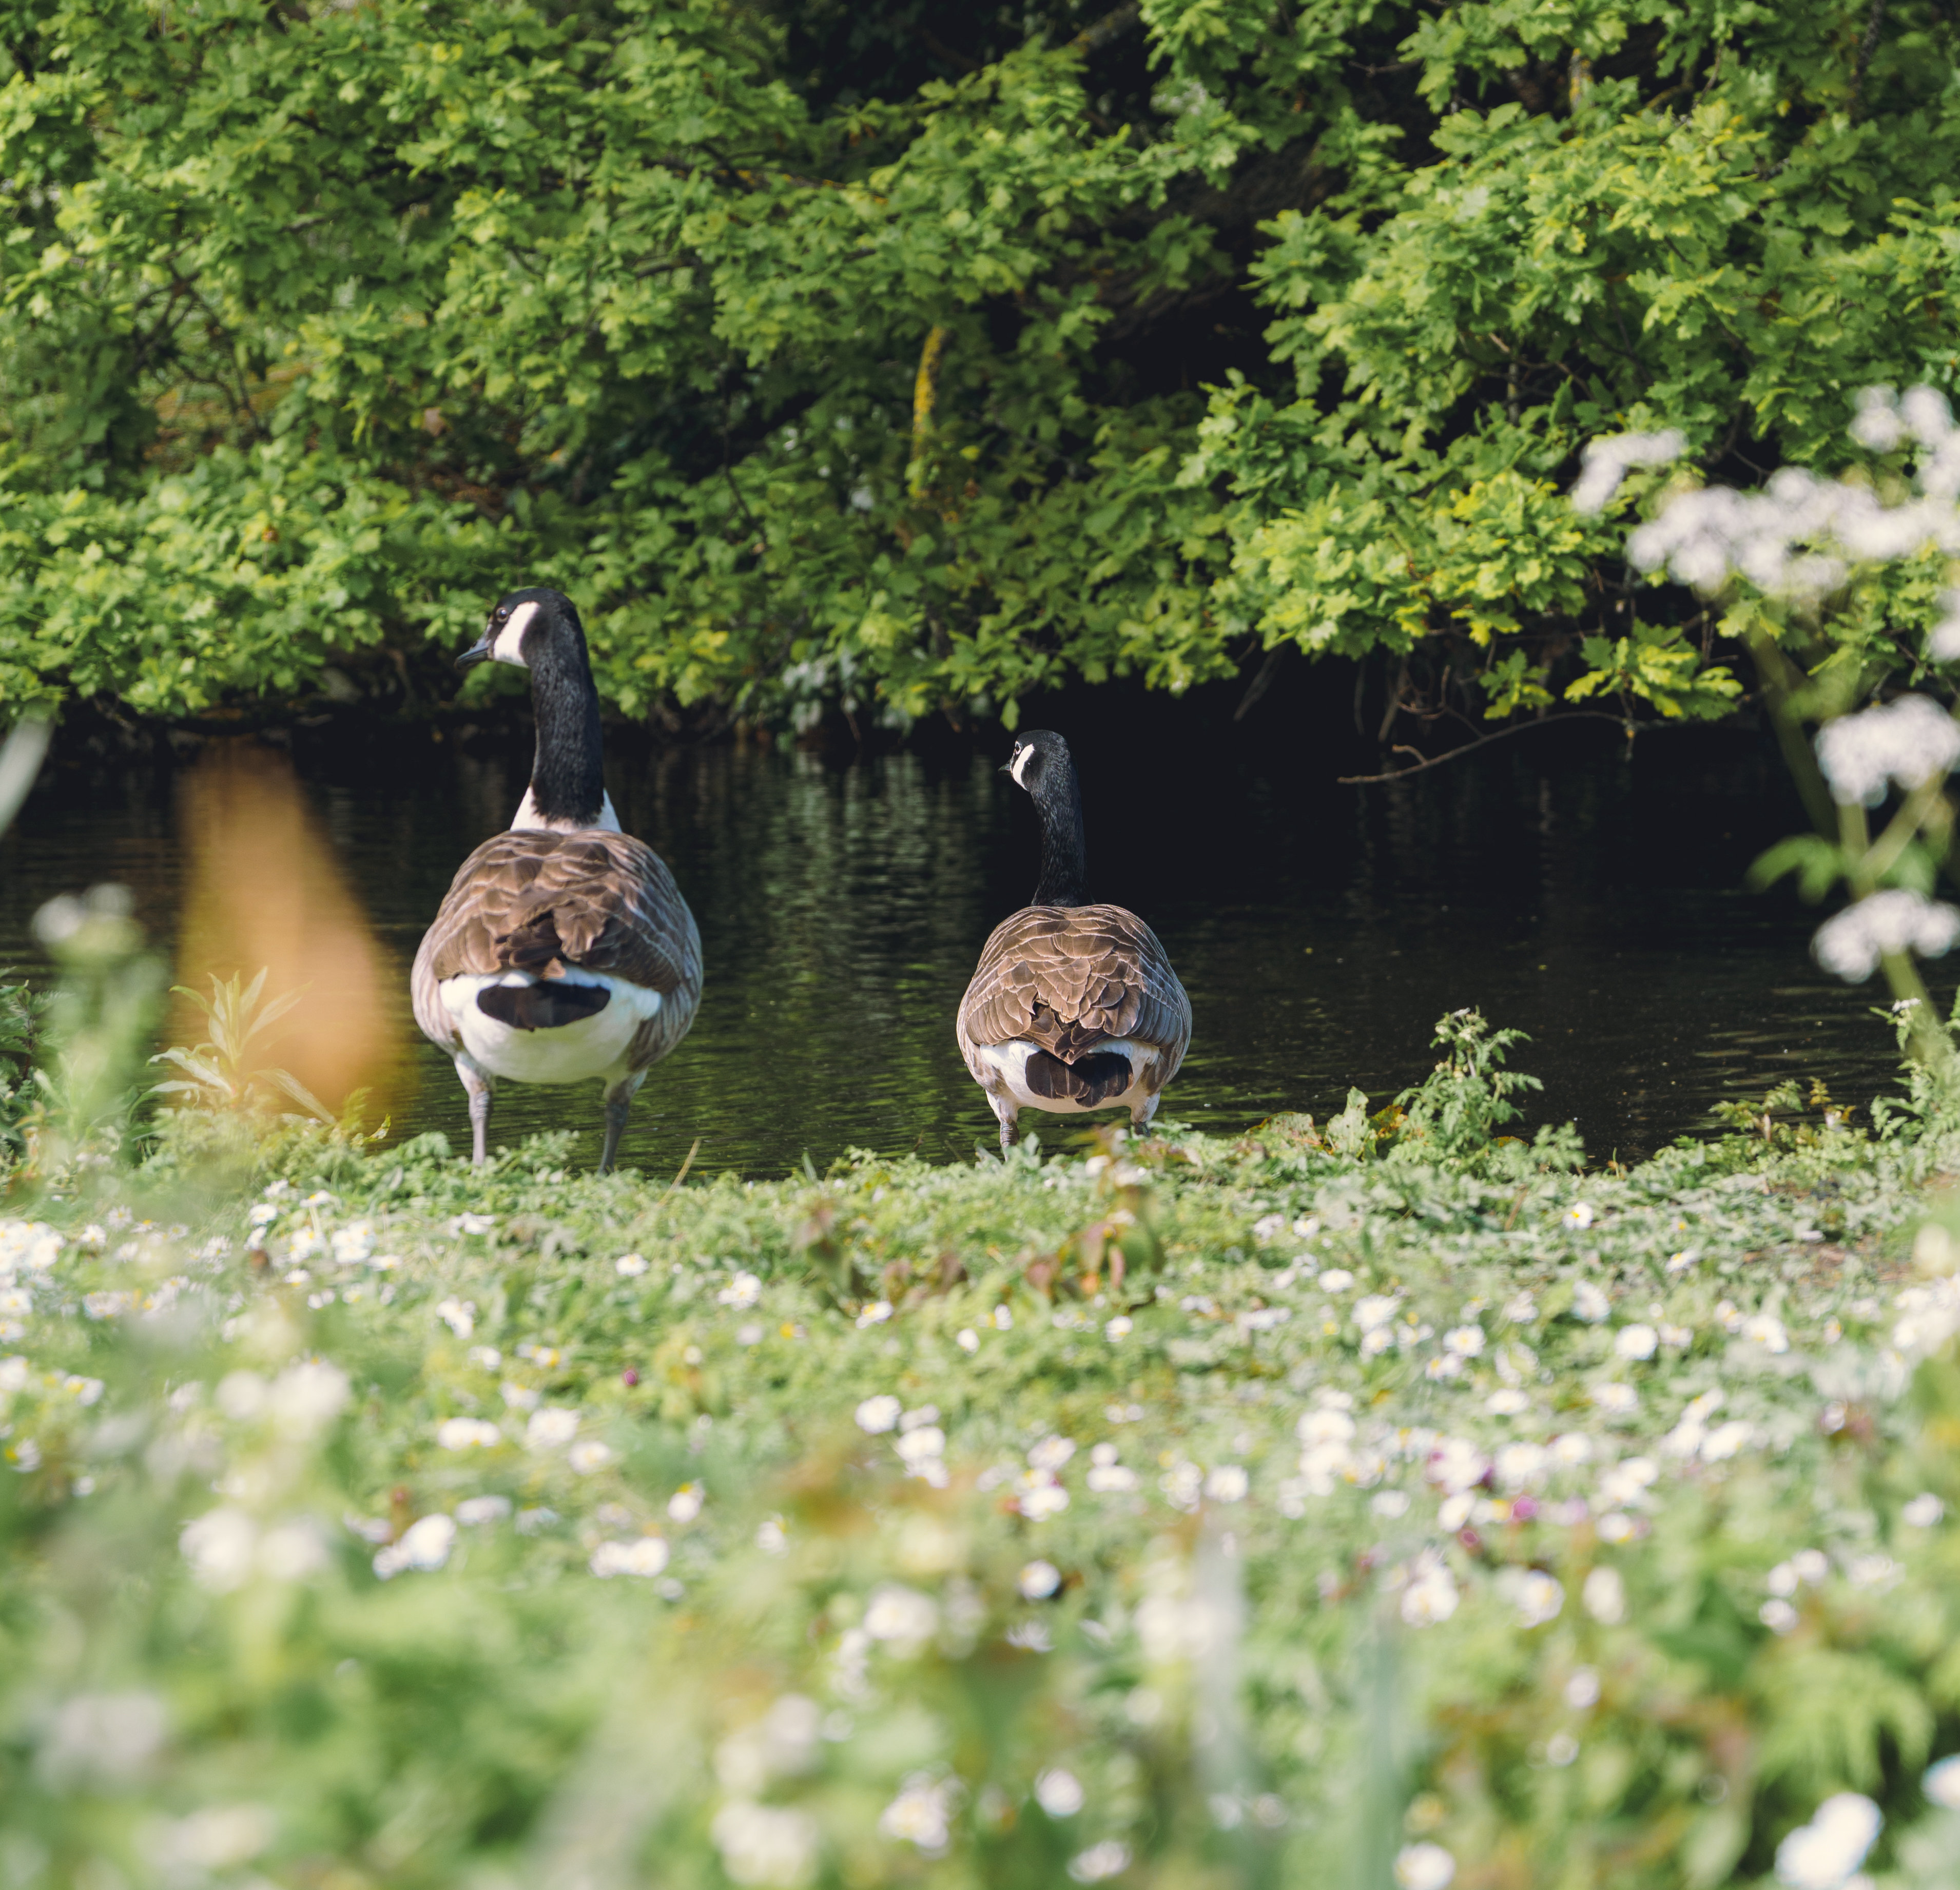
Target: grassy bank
1335	1506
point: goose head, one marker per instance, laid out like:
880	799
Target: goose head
1039	759
528	625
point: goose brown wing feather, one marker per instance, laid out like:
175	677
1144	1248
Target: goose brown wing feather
543	901
1068	977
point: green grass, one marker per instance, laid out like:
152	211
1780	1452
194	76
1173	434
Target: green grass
1176	1574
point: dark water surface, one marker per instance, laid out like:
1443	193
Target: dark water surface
1590	896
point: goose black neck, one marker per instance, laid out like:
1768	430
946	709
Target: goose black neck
568	775
1064	855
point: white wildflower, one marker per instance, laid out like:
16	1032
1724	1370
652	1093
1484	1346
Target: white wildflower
1227	1484
473	1224
1636	1342
1042	1501
1335	1279
1941	1783
1778	1616
1908	741
1119	1327
1059	1792
645	1556
1424	1867
774	1845
1374	1310
1823	1854
219	1546
1051	1453
1111	1858
474	1511
552	1426
1616	1400
902	1617
686	1503
742	1292
967	1340
1038	1581
1590	1304
876	1313
1537	1596
590	1456
1604	463
921	1813
1467	1341
467	1433
1431	1595
630	1265
878	1414
459	1315
1851	945
306	1397
1507	1403
1923	1512
1604	1596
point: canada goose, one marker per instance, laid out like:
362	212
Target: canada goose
564	950
1074	1007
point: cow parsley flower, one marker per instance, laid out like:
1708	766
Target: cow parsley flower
1851	945
1908	741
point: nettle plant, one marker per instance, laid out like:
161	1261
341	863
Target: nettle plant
1832	584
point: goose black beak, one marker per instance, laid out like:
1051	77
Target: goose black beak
478	652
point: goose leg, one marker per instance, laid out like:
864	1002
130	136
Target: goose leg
1141	1118
1011	1127
619	1099
479	1088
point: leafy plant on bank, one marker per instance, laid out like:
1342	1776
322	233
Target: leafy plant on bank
224	1072
825	361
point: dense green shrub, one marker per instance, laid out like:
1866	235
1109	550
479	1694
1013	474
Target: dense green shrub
915	360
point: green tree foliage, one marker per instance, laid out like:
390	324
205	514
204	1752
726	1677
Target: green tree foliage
919	362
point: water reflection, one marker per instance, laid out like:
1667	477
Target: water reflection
1594	903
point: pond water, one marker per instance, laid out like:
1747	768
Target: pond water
1588	894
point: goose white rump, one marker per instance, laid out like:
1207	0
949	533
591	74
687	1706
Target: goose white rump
1010	1060
598	1046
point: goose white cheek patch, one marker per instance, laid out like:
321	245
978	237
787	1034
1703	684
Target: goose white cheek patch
507	646
1018	768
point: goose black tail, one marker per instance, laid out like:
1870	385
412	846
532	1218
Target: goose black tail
1089	1081
544	1006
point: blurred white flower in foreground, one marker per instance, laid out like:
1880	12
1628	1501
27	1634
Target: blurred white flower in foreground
219	1837
1109	1859
1431	1595
425	1544
591	1455
1059	1792
304	1398
1823	1854
645	1556
552	1426
1941	1783
1038	1581
741	1292
465	1434
103	1735
1636	1342
1424	1867
1909	742
1589	1303
770	1844
878	1414
902	1617
1604	1596
1851	944
1537	1596
1923	1512
921	1813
